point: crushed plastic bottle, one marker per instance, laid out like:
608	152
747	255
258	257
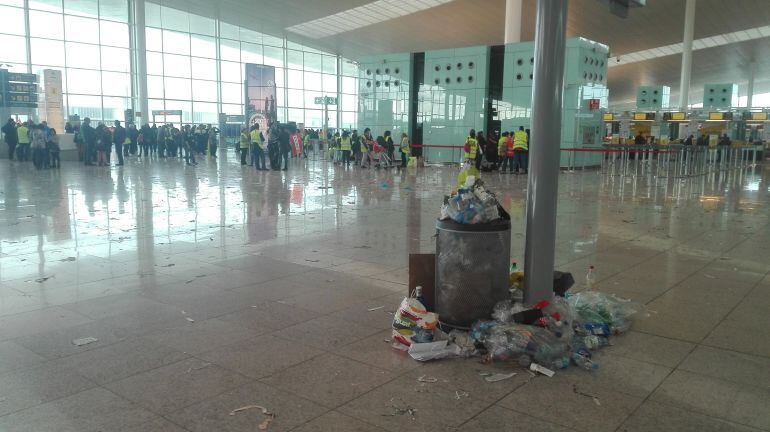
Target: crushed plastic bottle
591	277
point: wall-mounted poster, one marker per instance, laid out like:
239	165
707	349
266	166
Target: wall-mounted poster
260	95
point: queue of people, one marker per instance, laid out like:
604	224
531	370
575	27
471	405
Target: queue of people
510	151
30	141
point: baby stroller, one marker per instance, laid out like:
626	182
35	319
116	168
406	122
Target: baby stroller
382	160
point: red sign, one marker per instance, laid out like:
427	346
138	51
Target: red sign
593	104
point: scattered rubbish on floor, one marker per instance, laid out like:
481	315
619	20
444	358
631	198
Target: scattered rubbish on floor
168	265
709	276
492	378
330	280
433	350
386	340
84	341
594	397
189	319
628	221
412	323
204	366
362	247
22	293
43	279
68	259
312	260
375	308
269	416
427	379
459	394
534	367
401	410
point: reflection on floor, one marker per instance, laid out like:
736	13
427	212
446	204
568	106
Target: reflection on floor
215	287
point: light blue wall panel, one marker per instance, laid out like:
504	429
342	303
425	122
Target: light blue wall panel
383	101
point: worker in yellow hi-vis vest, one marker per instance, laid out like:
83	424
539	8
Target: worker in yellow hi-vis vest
471	146
520	149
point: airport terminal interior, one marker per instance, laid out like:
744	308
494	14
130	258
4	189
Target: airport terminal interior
384	215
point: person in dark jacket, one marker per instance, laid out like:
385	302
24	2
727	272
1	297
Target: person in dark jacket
11	137
118	137
88	135
688	141
481	149
389	146
132	134
285	147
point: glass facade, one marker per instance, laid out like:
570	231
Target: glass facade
194	63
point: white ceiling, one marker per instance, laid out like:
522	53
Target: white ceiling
481	22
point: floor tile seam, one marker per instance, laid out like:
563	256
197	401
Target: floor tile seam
497	401
742	298
754	354
296	428
94	385
689	275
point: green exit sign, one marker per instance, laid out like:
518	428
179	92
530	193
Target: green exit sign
326	100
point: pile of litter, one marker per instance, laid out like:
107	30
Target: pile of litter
472	203
544	337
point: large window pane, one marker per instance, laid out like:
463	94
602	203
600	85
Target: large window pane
205	113
204	90
251	53
115	107
295	98
85	106
174	19
231	72
310	99
46	24
12	21
349	102
19	3
232	109
313	81
177	88
175	42
89	8
176	65
348	119
204	68
47	52
81	29
154	39
272	41
82	55
185	106
330	83
296	115
295	79
349	68
154	105
113	33
14	49
330	64
115	59
152	15
84	81
279	78
116	84
155	87
349	85
46	5
232	93
313	118
273	56
230	50
203	46
228	31
313	62
114	10
251	36
294	59
154	63
202	25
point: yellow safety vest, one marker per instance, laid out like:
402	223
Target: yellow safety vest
501	146
244	140
23	134
405	145
474	148
520	140
256	139
345	144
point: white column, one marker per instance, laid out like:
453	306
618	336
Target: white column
139	49
750	87
512	21
689	28
26	34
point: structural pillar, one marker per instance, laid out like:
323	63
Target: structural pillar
512	21
545	150
140	59
689	28
750	87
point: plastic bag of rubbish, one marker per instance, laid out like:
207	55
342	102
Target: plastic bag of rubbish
505	310
464	341
601	314
433	350
507	342
467	169
412	323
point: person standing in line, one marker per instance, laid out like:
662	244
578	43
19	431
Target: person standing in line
119	138
480	148
502	152
102	144
471	147
143	140
133	134
212	140
366	148
390	147
24	135
37	137
88	135
153	139
346	146
54	150
258	148
285	148
11	137
244	144
520	148
405	150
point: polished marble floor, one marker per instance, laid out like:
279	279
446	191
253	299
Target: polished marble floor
216	287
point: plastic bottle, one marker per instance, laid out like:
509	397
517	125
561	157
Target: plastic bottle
514	268
591	277
418	295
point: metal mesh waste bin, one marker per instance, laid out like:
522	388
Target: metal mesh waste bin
472	264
